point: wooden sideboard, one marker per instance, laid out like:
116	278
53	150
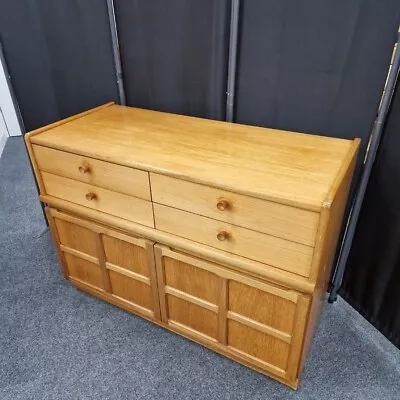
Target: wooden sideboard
221	232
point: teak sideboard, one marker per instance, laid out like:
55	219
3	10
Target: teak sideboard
223	233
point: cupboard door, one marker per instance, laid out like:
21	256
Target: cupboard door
118	265
249	320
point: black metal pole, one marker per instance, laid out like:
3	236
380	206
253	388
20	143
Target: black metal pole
116	51
368	164
233	43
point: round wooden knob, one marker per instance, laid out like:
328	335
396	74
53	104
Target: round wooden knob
222	205
91	196
222	236
84	169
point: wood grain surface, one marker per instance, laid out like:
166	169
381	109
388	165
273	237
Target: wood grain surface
286	167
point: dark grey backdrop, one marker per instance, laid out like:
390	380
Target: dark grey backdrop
316	66
59	56
174	54
372	279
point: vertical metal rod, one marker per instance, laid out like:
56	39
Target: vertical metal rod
368	164
116	53
233	45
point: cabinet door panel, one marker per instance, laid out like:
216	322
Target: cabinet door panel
257	344
189	279
131	290
84	271
76	237
261	306
192	315
249	319
132	257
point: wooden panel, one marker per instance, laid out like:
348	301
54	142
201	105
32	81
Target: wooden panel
261	306
290	256
102	263
129	274
153	279
329	230
115	300
227	273
298	338
259	326
133	277
189	279
56	240
258	344
113	203
266	316
94	172
160	272
193	316
76	237
84	271
276	219
126	255
131	290
195	336
223	311
191	299
79	254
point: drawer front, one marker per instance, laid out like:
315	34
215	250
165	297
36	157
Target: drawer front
95	172
117	204
280	253
264	216
254	321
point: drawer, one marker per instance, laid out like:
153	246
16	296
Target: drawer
275	219
95	172
107	201
280	253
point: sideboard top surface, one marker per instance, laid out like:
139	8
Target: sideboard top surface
286	167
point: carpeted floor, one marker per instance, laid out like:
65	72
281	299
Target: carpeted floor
59	343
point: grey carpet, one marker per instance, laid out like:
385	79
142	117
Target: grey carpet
59	343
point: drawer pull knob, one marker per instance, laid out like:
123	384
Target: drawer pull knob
84	169
91	196
222	236
222	205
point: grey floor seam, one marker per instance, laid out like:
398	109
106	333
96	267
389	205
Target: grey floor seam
59	343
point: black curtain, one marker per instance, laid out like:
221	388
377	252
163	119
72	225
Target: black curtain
174	54
315	66
59	56
372	280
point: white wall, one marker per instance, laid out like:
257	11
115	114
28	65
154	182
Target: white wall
7	107
3	132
